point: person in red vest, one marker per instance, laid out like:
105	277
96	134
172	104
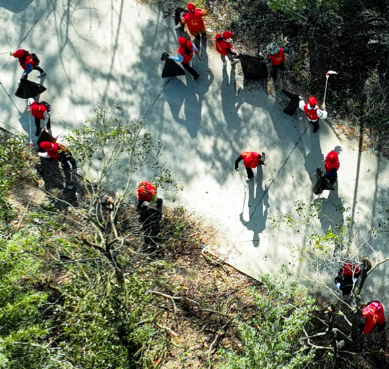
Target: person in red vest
331	166
194	20
224	48
277	57
347	277
312	111
28	62
374	314
185	55
250	160
58	152
40	111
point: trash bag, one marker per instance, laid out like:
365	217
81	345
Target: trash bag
321	183
29	89
172	69
252	67
177	16
293	104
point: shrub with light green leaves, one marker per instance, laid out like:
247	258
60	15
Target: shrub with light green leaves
271	337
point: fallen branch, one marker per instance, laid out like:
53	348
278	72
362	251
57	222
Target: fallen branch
167	328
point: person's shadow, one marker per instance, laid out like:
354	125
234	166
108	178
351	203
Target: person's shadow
315	157
258	204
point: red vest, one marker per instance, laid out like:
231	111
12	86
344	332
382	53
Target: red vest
182	51
37	110
350	270
278	58
222	46
374	314
23	60
250	159
194	21
331	161
146	191
311	113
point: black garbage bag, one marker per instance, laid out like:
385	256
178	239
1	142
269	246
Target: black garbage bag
29	89
172	69
178	14
293	104
321	183
252	67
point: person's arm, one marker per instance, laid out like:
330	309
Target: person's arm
195	49
46	118
203	12
28	68
322	114
237	162
43	155
231	52
302	104
178	58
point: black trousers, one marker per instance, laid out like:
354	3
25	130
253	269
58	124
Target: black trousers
250	173
39	69
190	69
315	123
275	68
38	123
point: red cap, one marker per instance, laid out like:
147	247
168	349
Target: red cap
46	145
227	35
312	101
191	7
182	41
218	36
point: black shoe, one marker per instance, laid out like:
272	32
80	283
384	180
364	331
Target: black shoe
38	132
263	156
315	128
198	75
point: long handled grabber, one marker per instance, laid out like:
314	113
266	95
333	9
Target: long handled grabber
29	123
327	77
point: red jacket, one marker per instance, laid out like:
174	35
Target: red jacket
331	161
146	191
37	110
23	58
182	51
311	113
222	46
374	314
250	159
194	20
278	58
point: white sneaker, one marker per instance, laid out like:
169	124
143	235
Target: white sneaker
40	75
249	179
234	62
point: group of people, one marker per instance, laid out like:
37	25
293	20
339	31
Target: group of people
56	147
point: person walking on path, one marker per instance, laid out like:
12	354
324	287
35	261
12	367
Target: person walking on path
224	48
312	111
58	152
331	166
185	55
28	62
374	314
250	160
194	20
40	111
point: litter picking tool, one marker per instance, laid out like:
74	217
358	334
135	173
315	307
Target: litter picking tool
330	72
29	120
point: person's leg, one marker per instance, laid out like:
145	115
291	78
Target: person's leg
38	126
250	173
224	60
315	125
73	162
65	165
203	35
197	41
230	58
274	69
39	69
190	70
48	124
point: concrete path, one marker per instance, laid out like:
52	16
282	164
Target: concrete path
101	51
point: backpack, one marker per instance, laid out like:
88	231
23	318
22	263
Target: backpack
47	105
35	59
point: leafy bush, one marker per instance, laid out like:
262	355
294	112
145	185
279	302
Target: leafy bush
271	336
